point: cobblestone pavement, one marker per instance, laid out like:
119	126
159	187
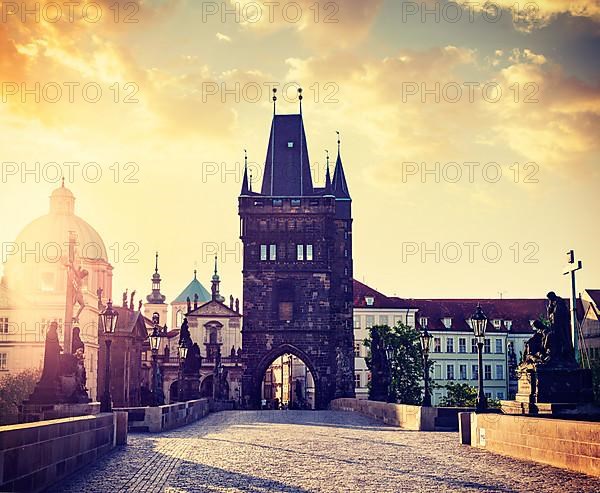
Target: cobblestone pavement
308	451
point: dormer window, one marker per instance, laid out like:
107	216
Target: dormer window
508	324
423	322
290	145
497	323
447	322
369	300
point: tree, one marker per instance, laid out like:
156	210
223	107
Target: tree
459	395
405	362
14	389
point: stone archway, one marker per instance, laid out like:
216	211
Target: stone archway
267	359
206	387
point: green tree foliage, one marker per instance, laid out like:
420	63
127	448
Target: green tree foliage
459	395
406	365
595	367
14	389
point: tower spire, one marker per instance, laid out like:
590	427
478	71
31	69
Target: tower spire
274	101
327	176
216	295
339	184
300	98
246	187
156	264
156	297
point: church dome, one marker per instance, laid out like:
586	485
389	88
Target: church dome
42	246
54	228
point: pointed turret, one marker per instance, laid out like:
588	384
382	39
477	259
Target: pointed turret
328	190
340	186
216	281
156	297
287	167
246	186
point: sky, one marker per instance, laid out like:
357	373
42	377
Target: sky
469	133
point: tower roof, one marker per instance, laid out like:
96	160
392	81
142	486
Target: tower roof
192	288
339	185
287	167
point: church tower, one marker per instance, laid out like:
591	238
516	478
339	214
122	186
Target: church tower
155	301
297	267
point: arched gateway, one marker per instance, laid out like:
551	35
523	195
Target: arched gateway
297	268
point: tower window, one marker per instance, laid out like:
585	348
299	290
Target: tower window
290	145
299	252
263	252
277	203
296	202
272	252
309	253
285	302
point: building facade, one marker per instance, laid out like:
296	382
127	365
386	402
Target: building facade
453	349
33	291
297	268
590	322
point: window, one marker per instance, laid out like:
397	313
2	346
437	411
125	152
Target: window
474	372
309	253
499	372
357	322
357	380
285	300
437	372
299	252
369	300
357	349
508	324
383	319
450	345
449	372
499	348
437	345
290	145
497	323
462	345
263	252
370	321
463	372
277	203
3	361
3	325
488	395
487	346
487	372
272	252
473	345
500	395
447	322
423	322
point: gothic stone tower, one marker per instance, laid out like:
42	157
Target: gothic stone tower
297	268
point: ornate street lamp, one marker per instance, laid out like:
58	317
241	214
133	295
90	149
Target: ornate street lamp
154	345
425	345
478	324
109	324
183	350
390	353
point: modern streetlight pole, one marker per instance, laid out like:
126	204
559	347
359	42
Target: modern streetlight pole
479	323
109	324
425	344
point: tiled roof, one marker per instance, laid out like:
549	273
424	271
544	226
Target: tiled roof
362	291
594	294
191	289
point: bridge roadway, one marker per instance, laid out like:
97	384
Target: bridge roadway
311	451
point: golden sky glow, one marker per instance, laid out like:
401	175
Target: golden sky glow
187	87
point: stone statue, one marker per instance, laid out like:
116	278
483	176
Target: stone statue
125	298
380	369
193	361
232	354
131	300
231	301
559	345
140	303
239	353
237	305
76	277
195	300
99	294
534	352
189	304
52	352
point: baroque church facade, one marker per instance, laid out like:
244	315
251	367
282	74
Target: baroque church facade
297	268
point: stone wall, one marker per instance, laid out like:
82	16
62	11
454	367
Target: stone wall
402	415
562	443
160	418
35	455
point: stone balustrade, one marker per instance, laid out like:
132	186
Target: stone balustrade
33	456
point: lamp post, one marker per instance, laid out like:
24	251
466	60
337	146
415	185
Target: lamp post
154	345
109	323
478	324
183	350
425	344
390	353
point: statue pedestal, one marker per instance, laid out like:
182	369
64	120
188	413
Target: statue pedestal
552	391
30	412
191	387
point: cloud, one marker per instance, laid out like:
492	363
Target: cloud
327	25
